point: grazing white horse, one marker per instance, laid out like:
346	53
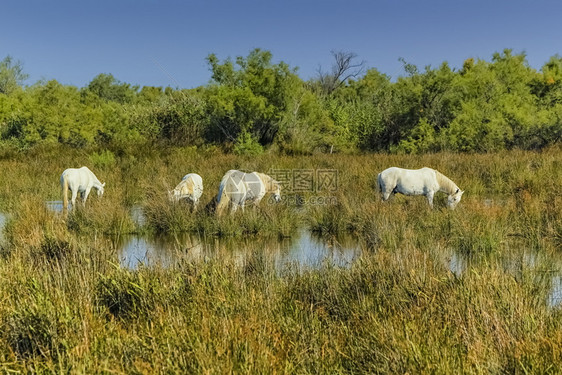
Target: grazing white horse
190	188
424	181
239	189
79	180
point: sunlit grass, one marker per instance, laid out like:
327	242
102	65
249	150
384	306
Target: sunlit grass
67	306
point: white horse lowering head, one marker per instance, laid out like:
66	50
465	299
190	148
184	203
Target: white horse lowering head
423	181
238	189
189	188
454	199
79	180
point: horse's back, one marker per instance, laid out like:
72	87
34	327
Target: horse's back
405	180
194	177
400	173
78	177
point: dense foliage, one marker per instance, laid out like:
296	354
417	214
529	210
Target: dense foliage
252	103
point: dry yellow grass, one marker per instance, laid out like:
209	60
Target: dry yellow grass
68	307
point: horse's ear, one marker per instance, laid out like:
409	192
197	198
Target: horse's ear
462	192
103	185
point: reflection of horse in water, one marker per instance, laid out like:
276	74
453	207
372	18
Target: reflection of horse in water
424	181
190	188
250	255
239	189
79	180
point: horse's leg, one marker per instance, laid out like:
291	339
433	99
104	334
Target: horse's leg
86	193
73	198
429	196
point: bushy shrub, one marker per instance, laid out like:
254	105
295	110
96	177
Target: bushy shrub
103	159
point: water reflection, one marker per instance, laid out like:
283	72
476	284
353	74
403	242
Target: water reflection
555	296
518	260
457	264
137	214
56	206
3	221
309	251
305	250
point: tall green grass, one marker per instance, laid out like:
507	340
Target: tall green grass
67	306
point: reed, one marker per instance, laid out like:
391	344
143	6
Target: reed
67	306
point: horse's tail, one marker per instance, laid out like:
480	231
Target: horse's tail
64	187
379	182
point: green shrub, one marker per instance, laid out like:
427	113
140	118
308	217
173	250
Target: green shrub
246	144
102	160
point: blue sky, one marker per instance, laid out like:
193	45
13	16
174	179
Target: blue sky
164	43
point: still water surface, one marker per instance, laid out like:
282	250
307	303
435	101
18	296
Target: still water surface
305	250
309	251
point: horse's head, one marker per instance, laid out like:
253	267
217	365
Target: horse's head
100	189
173	195
276	190
454	199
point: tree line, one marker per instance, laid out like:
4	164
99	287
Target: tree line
252	104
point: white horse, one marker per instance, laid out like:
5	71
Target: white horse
239	189
424	181
79	180
190	188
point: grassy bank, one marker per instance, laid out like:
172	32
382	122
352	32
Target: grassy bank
66	305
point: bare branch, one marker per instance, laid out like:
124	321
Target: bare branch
343	69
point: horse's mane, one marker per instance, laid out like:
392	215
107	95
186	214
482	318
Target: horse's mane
188	185
445	183
267	181
97	182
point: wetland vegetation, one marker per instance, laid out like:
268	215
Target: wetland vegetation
415	290
472	290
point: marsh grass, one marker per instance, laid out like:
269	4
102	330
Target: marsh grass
96	220
68	307
125	294
268	219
